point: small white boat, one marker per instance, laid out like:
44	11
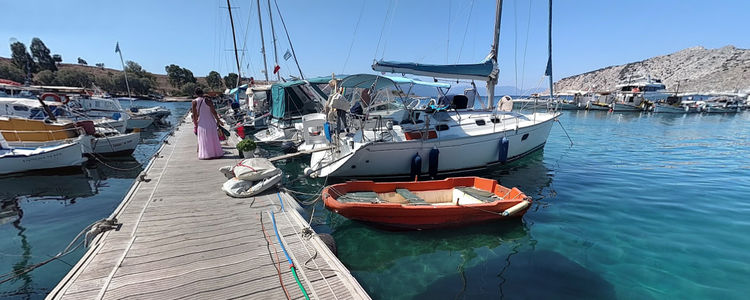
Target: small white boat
139	121
666	108
156	114
20	159
111	142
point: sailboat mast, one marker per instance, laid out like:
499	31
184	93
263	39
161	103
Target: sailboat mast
549	62
493	53
275	52
127	84
262	42
236	57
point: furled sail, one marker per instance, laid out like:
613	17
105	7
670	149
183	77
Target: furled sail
484	70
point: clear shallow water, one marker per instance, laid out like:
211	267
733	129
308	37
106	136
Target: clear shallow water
41	213
643	206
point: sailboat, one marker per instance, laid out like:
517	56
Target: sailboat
447	136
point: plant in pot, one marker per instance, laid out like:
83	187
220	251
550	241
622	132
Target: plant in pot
246	148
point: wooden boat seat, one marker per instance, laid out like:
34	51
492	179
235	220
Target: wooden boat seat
409	196
480	195
367	197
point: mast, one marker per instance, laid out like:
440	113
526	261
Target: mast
275	52
548	72
493	54
236	57
117	49
262	42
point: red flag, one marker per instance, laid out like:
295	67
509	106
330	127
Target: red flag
276	69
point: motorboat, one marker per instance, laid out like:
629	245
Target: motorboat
392	140
139	121
723	104
426	204
22	159
157	114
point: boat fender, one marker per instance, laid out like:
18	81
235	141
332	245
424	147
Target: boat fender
327	129
329	241
502	154
433	160
116	116
416	166
308	171
516	208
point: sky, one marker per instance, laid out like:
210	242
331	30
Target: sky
345	36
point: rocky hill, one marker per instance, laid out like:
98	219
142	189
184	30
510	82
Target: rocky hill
697	70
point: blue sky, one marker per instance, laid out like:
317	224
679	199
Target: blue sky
344	36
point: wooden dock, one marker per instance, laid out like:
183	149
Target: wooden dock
182	237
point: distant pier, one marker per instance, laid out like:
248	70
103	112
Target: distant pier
182	237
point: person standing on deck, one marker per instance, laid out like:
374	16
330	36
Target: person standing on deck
205	120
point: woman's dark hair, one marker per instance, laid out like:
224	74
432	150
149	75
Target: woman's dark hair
198	92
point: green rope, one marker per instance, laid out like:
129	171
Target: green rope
304	292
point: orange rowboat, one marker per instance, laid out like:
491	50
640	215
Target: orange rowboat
426	204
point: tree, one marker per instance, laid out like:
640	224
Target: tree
230	80
188	89
11	73
178	76
214	80
57	58
45	77
40	53
81	61
71	77
22	59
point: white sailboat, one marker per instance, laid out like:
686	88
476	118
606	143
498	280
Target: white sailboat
439	139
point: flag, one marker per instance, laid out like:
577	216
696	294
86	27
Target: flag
117	47
548	72
276	69
287	55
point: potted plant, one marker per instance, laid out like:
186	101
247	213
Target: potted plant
246	148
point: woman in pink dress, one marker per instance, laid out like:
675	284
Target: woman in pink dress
205	120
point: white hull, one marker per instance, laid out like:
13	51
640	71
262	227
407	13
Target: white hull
139	122
659	108
28	159
116	144
714	109
275	134
456	154
625	107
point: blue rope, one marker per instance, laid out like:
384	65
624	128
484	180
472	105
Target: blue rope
278	237
282	201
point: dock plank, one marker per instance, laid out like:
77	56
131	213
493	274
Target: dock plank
183	238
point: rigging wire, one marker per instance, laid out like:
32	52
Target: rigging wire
515	42
390	28
385	21
526	47
466	31
288	38
356	26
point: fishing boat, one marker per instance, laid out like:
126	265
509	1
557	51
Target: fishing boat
22	159
93	139
426	204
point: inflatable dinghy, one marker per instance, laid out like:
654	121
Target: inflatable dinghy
250	177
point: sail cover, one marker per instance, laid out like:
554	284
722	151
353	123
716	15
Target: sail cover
484	70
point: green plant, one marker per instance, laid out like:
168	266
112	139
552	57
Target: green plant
246	145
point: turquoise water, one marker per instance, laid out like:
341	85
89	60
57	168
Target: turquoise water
642	206
41	213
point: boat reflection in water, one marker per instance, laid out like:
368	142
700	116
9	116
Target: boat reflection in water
488	260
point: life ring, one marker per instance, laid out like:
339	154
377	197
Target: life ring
53	95
56	97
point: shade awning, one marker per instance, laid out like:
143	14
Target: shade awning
378	82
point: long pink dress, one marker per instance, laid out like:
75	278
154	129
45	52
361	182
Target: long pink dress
208	138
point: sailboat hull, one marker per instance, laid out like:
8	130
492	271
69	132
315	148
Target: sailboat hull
456	155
